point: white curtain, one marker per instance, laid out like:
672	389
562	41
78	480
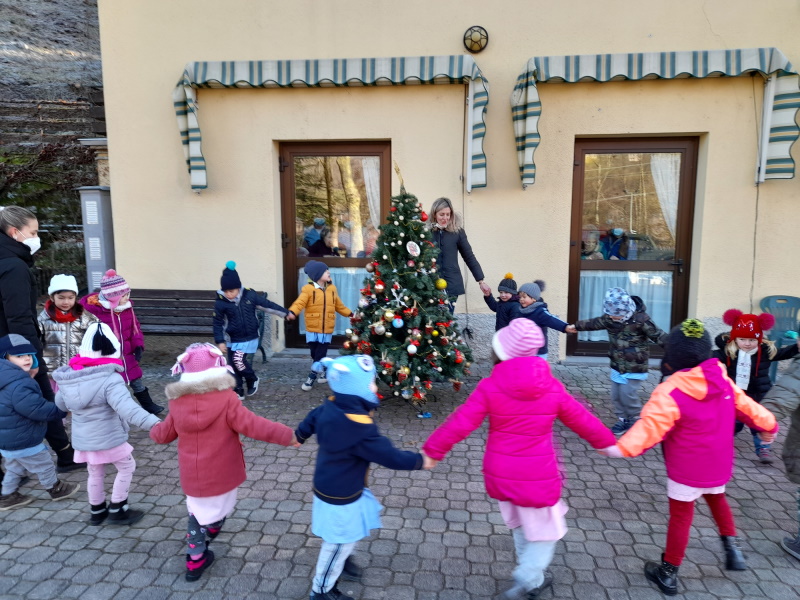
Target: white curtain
371	166
666	168
653	287
348	282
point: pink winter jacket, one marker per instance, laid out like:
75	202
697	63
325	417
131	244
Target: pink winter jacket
522	400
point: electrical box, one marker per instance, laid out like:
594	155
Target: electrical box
98	233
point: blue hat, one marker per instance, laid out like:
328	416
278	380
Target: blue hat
352	375
15	345
319	222
315	269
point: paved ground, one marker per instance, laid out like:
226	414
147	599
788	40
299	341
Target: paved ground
442	537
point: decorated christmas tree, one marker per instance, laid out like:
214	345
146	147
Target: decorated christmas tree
403	318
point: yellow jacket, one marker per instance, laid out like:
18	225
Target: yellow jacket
320	305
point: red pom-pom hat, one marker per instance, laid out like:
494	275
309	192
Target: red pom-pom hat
748	326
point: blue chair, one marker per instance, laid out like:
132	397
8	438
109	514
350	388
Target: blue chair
786	310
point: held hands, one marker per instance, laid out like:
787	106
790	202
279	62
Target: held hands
295	443
427	462
485	288
570	329
290	316
611	452
223	347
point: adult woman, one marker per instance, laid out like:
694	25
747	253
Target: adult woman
451	239
322	247
18	242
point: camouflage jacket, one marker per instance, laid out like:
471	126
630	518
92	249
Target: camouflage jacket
629	340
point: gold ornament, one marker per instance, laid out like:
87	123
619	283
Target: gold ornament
389	315
440	284
435	333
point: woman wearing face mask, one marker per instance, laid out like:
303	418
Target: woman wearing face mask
18	243
451	239
615	245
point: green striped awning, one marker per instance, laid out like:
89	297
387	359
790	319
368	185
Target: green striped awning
350	72
781	99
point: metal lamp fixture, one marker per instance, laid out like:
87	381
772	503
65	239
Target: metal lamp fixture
476	38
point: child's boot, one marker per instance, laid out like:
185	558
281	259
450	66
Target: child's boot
664	575
14	500
63	490
792	546
332	594
195	568
734	558
351	571
99	512
309	382
120	514
147	402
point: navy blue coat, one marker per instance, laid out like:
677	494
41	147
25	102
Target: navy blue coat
538	313
240	320
450	246
23	410
349	441
506	311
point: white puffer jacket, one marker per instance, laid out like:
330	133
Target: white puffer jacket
62	340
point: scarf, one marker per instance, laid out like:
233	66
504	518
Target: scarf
743	367
79	363
57	315
530	308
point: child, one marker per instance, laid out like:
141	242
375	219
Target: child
630	329
23	421
321	302
113	307
344	509
691	413
747	355
63	322
207	417
784	400
93	390
507	305
522	400
533	307
235	314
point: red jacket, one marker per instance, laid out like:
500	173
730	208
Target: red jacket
522	400
207	417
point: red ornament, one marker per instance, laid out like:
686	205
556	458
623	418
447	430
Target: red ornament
401	377
459	358
428	385
457	385
418	395
365	347
423	217
410	263
393	209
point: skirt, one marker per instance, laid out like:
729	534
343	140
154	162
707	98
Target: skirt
346	523
210	509
687	493
103	457
538	524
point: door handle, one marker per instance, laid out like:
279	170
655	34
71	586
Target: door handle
678	262
285	241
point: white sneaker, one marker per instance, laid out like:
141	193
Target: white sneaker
308	384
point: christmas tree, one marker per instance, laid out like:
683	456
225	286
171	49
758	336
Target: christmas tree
403	318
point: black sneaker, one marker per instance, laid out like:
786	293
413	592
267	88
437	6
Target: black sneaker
308	384
99	512
252	387
239	392
621	426
119	513
333	594
196	568
536	592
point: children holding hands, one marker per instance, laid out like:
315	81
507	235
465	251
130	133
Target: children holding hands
507	304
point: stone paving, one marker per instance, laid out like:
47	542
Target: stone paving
442	537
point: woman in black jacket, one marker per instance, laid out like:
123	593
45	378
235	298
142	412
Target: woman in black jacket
451	239
19	240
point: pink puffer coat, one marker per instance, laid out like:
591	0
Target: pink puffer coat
522	400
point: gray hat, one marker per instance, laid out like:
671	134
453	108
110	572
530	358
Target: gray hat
534	290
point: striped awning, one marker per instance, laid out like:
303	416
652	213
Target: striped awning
351	72
781	96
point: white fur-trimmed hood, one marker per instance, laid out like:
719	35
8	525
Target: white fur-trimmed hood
213	380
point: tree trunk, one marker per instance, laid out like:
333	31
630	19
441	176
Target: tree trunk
353	198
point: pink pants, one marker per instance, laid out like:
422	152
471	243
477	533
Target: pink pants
122	482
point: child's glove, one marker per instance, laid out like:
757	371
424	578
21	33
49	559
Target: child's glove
137	353
611	452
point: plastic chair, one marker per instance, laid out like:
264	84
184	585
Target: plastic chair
786	310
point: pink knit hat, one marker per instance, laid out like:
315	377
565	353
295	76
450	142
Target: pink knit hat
199	361
521	337
113	287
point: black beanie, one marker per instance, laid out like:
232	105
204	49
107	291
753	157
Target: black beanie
508	284
688	344
315	269
230	278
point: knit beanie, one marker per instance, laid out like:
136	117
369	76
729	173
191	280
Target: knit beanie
319	222
62	283
315	270
99	342
688	344
747	325
618	303
113	287
508	284
521	337
200	361
230	278
352	375
534	290
16	345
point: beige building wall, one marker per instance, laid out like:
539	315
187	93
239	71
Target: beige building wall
167	236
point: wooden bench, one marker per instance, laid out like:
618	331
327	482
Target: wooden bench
182	312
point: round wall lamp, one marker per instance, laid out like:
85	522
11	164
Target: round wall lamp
476	38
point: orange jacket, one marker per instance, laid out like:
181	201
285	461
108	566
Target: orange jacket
321	306
693	414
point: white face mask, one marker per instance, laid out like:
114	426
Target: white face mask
34	243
